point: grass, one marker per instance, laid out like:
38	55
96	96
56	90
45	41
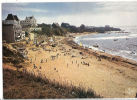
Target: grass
10	56
19	85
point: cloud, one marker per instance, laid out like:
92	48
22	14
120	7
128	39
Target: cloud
15	9
32	10
118	6
118	18
88	13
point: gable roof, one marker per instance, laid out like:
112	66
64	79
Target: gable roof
31	17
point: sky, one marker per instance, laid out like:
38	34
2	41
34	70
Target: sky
122	13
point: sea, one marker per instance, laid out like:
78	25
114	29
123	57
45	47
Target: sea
123	43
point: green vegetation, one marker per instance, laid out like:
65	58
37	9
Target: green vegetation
11	56
83	28
54	29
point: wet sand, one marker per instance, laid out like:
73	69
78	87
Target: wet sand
76	66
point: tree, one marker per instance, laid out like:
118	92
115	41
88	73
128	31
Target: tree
65	25
82	28
55	25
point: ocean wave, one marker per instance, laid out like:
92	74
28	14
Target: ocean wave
76	39
125	48
112	37
124	51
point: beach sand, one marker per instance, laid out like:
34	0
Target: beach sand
70	64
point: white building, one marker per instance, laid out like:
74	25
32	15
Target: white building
28	22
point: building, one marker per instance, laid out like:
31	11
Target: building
11	29
32	29
28	22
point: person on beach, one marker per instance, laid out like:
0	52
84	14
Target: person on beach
31	60
41	61
88	64
24	70
99	59
34	66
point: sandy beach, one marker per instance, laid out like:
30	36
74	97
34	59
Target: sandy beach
70	64
69	50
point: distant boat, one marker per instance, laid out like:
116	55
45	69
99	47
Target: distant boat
96	46
115	39
132	52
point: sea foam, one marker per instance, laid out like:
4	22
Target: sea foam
120	44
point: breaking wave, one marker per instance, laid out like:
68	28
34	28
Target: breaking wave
120	44
112	37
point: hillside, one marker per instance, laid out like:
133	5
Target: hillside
18	84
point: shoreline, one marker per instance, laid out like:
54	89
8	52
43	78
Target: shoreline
101	54
70	64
